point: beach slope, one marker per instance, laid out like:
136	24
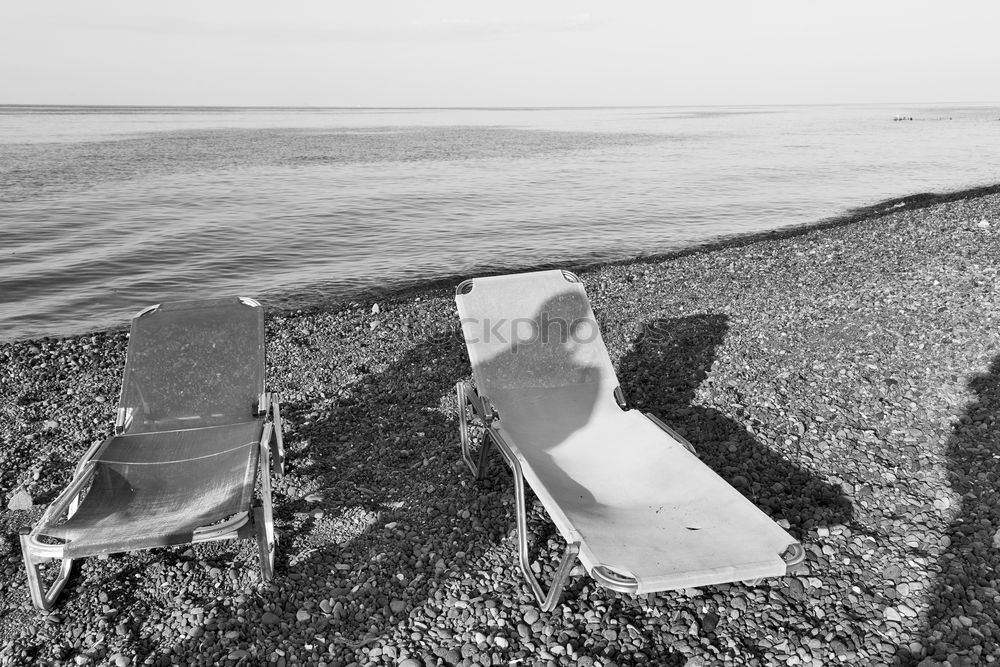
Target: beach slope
845	378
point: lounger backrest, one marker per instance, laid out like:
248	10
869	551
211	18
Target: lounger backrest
192	364
532	330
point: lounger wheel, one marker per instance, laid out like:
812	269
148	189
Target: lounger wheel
614	580
266	544
794	554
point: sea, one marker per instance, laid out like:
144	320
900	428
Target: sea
105	210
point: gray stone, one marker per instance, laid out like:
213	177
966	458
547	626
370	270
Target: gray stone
21	500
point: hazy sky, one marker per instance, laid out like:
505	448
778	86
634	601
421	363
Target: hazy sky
501	53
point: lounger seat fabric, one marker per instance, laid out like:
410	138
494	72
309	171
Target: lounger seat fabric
155	489
635	498
194	364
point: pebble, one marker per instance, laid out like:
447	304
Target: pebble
709	621
21	500
796	588
885	330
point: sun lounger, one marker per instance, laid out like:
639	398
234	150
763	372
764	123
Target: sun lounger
194	426
631	499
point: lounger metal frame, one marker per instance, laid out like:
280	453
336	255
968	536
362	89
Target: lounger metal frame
257	523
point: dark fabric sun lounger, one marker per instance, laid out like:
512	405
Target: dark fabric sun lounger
629	496
194	427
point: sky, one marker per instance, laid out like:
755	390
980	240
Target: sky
446	53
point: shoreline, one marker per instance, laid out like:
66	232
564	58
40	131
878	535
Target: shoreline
854	216
845	377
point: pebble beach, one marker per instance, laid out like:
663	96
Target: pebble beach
844	377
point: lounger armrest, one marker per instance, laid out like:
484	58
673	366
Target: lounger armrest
87	456
672	433
123	419
467	395
69	499
481	405
263	404
620	398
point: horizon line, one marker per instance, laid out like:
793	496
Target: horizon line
479	108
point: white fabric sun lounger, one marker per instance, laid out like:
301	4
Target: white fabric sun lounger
630	497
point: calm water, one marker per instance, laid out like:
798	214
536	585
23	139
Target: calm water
106	210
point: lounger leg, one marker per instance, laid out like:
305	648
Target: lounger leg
547	601
42	599
480	467
484	457
263	515
279	438
265	543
